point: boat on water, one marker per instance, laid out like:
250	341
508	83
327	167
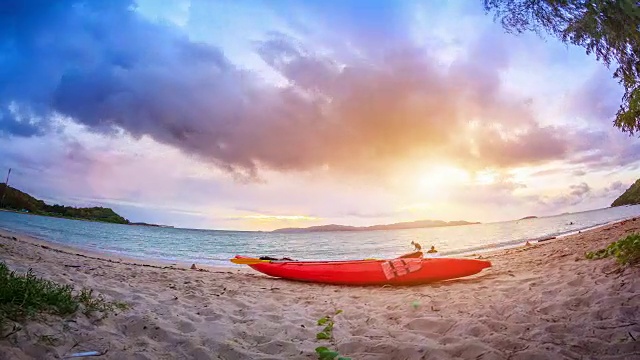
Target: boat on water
399	271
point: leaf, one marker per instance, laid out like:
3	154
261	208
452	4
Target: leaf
323	320
328	355
626	250
338	312
344	358
325	353
323	336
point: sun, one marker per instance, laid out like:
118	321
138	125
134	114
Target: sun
438	179
485	177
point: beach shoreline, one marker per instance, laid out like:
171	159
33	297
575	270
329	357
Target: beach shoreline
107	256
156	262
540	301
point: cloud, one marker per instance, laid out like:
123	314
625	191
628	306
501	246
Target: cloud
16	121
575	195
139	178
606	150
110	69
597	99
582	193
533	144
579	190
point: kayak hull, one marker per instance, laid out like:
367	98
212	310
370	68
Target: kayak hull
405	271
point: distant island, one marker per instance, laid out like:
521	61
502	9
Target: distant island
18	201
529	217
395	226
629	197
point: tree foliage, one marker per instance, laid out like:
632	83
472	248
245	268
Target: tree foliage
17	200
610	29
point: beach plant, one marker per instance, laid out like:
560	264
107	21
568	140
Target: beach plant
327	322
98	303
626	250
25	295
324	353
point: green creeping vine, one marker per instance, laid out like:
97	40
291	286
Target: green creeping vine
324	353
327	332
626	250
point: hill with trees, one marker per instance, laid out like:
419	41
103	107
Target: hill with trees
629	197
17	200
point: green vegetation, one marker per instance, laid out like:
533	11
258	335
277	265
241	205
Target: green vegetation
607	28
17	200
629	197
626	250
24	296
327	332
98	304
324	353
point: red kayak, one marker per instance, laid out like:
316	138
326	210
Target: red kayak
401	271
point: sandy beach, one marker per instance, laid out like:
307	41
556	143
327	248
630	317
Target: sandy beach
545	301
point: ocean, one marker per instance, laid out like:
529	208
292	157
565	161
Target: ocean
215	247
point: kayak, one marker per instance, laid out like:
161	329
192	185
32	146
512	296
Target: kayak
400	271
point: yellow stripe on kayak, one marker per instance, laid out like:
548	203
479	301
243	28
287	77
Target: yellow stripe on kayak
249	261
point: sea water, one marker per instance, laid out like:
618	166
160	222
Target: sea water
215	247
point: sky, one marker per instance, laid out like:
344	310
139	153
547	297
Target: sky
257	115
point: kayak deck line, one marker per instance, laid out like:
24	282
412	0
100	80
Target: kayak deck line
245	260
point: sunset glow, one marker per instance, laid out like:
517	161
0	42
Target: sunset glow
438	179
280	217
182	117
486	177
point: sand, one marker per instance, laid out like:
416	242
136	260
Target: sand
544	301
